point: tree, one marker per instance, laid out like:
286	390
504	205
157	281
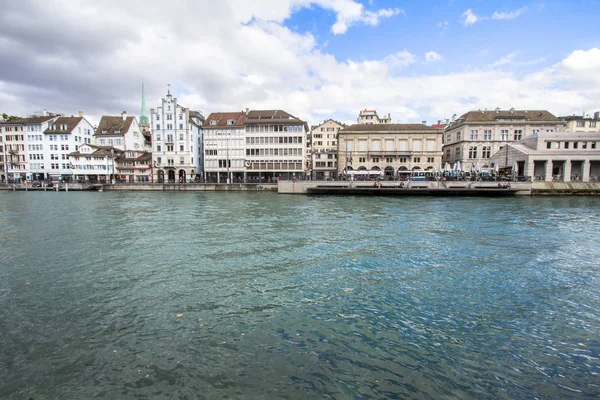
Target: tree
6	117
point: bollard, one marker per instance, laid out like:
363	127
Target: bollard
66	187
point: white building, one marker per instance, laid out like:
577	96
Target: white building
13	147
177	152
224	147
93	163
122	133
63	136
580	123
371	117
550	157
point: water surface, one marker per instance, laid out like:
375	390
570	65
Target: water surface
256	295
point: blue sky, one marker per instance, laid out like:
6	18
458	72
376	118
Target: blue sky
318	59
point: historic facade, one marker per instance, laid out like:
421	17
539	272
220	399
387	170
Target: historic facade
177	143
388	150
121	132
323	152
224	147
477	135
580	123
371	117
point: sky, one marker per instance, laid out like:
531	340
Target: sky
316	59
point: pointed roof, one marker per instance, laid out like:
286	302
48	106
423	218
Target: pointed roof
63	124
110	125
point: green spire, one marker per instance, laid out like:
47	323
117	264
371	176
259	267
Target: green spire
143	115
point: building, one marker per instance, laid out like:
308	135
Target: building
255	146
580	123
323	152
545	156
177	153
224	135
133	167
477	135
121	132
371	117
63	136
13	150
275	145
95	164
388	150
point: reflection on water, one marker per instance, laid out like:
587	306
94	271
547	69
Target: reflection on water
149	295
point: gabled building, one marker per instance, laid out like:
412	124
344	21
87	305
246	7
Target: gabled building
13	153
477	135
122	133
63	136
134	167
95	164
388	150
177	141
324	147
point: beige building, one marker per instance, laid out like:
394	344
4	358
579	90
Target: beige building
323	152
371	117
553	157
477	135
388	150
578	123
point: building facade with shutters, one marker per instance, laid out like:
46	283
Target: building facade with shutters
388	150
477	135
323	151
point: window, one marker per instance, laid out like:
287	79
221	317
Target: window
158	147
169	126
403	159
430	159
180	126
417	159
518	134
389	160
417	145
458	136
486	152
580	124
157	126
169	117
548	145
593	146
375	159
157	117
487	134
169	147
457	153
362	159
180	147
180	117
472	152
566	145
575	145
584	145
592	124
474	134
504	134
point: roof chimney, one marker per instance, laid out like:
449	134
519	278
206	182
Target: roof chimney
246	111
424	122
80	114
124	115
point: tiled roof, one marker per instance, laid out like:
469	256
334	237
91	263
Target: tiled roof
269	114
492	116
578	118
221	119
36	120
112	124
63	125
100	151
388	128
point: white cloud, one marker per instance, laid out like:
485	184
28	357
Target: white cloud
353	13
443	26
432	56
90	58
508	15
469	17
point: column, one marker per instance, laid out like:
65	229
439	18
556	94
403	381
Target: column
529	169
548	174
585	171
567	171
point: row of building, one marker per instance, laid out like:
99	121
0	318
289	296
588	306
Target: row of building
176	144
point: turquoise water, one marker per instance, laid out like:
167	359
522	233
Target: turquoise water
244	295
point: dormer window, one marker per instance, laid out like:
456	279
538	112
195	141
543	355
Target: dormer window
213	122
117	131
104	131
230	122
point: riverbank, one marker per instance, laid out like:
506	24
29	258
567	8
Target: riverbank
343	187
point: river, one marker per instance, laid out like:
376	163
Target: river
264	296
